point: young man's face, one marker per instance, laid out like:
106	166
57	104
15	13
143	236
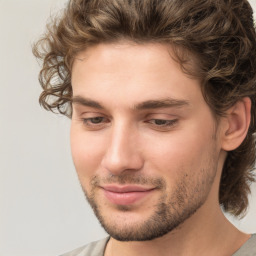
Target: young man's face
143	139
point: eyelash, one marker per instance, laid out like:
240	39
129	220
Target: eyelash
167	123
161	124
87	120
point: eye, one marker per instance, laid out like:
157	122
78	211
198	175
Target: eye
94	120
95	123
162	123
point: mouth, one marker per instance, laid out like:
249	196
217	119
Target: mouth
126	195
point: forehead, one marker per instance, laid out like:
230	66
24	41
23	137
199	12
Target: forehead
139	72
126	56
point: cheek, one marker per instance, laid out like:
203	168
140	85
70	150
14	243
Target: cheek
181	151
87	152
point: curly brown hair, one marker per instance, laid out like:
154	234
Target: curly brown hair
219	33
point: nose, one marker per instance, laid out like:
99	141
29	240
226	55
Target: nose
123	152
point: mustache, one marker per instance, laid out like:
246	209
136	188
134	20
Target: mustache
128	178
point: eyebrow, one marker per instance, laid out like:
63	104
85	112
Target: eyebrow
162	103
149	104
86	102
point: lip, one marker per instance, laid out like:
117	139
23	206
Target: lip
126	195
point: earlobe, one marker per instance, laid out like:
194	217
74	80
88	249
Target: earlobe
238	120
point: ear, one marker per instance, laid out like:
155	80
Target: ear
237	124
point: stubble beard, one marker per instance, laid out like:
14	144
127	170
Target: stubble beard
169	213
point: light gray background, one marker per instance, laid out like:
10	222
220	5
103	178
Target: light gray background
42	208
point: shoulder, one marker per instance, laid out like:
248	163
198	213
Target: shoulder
249	248
96	248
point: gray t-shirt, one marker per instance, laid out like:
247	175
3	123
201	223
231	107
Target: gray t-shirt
97	248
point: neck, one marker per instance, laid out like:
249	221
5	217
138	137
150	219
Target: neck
211	236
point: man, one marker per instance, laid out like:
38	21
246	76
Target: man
161	95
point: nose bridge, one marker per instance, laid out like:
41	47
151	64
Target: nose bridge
122	152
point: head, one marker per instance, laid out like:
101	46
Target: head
211	46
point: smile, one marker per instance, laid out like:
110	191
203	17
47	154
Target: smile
126	195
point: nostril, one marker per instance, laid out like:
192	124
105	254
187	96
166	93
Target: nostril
121	161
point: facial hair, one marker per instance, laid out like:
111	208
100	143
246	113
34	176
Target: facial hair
189	194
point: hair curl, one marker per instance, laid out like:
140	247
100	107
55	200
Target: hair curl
220	33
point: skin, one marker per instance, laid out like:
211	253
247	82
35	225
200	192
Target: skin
177	150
